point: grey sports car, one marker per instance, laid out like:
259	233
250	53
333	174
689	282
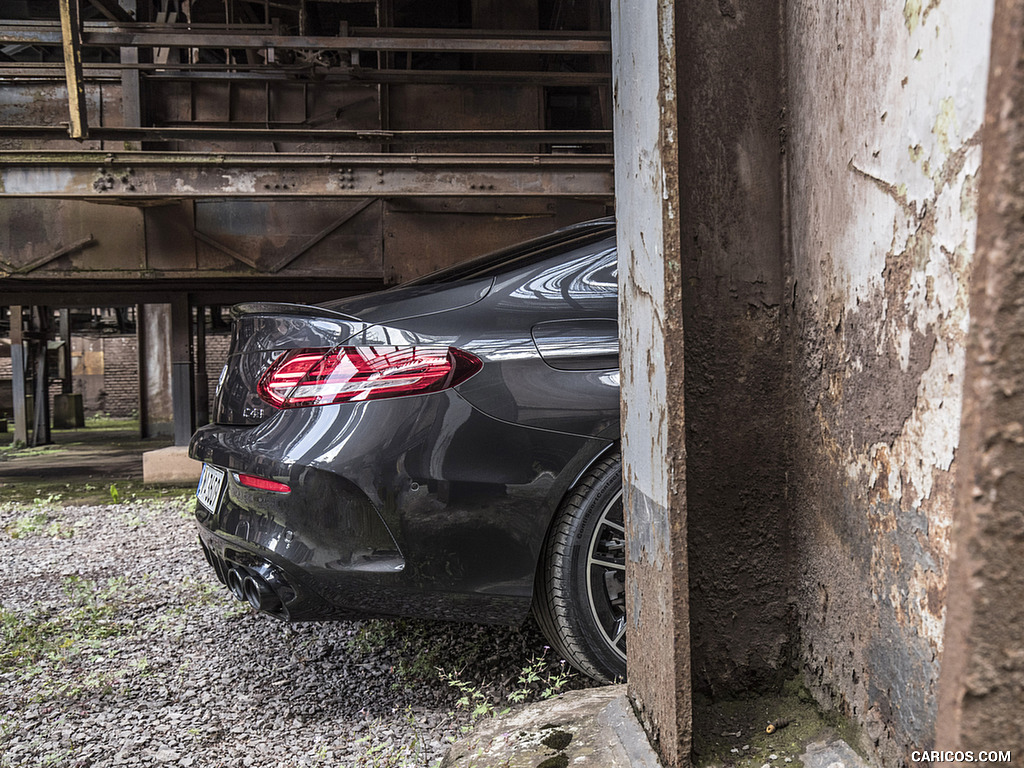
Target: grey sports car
446	449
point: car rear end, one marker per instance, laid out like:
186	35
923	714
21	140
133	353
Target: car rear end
369	461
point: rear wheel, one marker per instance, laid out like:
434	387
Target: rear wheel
580	600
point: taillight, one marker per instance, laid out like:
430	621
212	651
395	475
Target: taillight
305	377
262	483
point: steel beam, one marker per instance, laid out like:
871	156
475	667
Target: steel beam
112	10
70	30
219	289
341	74
290	133
476	41
153	175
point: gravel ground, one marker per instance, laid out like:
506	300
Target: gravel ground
119	647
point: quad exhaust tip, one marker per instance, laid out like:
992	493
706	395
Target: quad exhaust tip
262	585
260	594
236	583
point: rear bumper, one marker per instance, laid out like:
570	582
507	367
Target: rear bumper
419	506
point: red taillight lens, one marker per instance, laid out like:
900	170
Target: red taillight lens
305	377
261	483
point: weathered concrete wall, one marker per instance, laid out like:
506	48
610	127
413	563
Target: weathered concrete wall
699	204
982	681
730	137
885	104
651	365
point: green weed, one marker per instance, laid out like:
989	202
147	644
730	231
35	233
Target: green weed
535	681
21	527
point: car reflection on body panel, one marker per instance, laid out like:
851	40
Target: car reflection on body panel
445	449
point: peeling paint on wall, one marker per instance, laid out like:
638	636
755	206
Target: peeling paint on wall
885	113
647	194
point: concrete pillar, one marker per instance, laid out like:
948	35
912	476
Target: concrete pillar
156	412
731	145
202	385
182	370
699	196
65	352
651	365
981	685
18	375
41	318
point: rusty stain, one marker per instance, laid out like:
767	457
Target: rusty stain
881	375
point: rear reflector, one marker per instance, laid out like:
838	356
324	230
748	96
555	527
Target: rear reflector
261	483
306	377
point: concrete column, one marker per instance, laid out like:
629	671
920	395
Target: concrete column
182	370
731	145
156	412
66	385
40	336
18	375
202	385
981	685
651	365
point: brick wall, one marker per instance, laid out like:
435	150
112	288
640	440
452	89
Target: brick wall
105	371
216	355
119	395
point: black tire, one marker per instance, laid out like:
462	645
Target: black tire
579	600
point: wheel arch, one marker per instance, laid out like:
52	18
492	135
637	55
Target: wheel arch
596	459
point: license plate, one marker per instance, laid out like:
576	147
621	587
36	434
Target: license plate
210	483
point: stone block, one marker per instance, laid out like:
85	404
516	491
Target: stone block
68	412
170	466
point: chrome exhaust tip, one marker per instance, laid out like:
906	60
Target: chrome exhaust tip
260	594
236	583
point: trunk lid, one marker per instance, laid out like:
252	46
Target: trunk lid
262	331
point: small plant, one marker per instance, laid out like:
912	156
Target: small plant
24	526
389	754
115	496
471	697
60	530
534	680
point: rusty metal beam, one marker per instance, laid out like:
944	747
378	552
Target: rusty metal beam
241	72
7	269
112	10
475	41
137	176
70	292
70	31
290	133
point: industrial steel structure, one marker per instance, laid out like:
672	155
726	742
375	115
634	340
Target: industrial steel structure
185	153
